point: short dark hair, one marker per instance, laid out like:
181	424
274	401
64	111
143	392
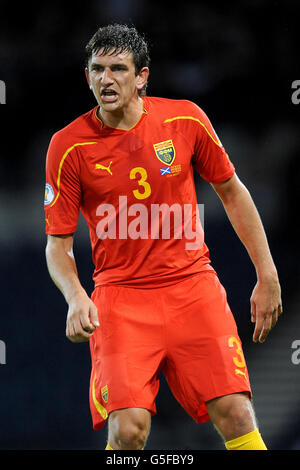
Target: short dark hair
118	38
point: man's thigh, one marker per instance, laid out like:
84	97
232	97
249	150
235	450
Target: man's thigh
127	351
205	357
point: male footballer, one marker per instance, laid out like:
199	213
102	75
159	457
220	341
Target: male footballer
158	305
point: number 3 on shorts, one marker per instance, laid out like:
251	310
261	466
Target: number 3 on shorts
239	360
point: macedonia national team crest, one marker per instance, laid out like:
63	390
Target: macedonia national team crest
104	393
165	151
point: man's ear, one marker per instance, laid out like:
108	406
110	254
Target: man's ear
142	78
86	70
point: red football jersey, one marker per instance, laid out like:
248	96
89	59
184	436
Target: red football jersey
136	191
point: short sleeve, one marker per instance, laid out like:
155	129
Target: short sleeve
63	189
210	159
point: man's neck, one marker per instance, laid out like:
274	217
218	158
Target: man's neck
122	119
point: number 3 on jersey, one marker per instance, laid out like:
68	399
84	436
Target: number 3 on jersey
140	174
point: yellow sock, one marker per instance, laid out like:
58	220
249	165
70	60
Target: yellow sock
108	447
250	441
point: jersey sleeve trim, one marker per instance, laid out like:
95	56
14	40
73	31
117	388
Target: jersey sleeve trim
217	142
61	164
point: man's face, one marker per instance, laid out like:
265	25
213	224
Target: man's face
113	80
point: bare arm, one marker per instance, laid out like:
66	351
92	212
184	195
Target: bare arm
82	316
266	303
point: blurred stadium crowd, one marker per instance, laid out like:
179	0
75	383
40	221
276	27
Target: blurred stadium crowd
236	62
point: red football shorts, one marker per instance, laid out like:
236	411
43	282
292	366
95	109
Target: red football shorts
187	331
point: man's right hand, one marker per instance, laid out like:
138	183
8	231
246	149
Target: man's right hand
82	318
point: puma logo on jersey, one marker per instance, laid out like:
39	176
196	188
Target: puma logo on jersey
98	166
238	371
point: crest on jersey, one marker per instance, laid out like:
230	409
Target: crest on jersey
165	151
104	393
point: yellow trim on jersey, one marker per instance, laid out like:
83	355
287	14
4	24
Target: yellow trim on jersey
197	120
61	164
97	117
100	408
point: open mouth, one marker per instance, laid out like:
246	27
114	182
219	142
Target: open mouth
109	96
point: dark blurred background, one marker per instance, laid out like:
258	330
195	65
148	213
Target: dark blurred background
237	61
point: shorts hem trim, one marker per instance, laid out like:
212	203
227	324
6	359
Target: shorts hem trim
203	417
